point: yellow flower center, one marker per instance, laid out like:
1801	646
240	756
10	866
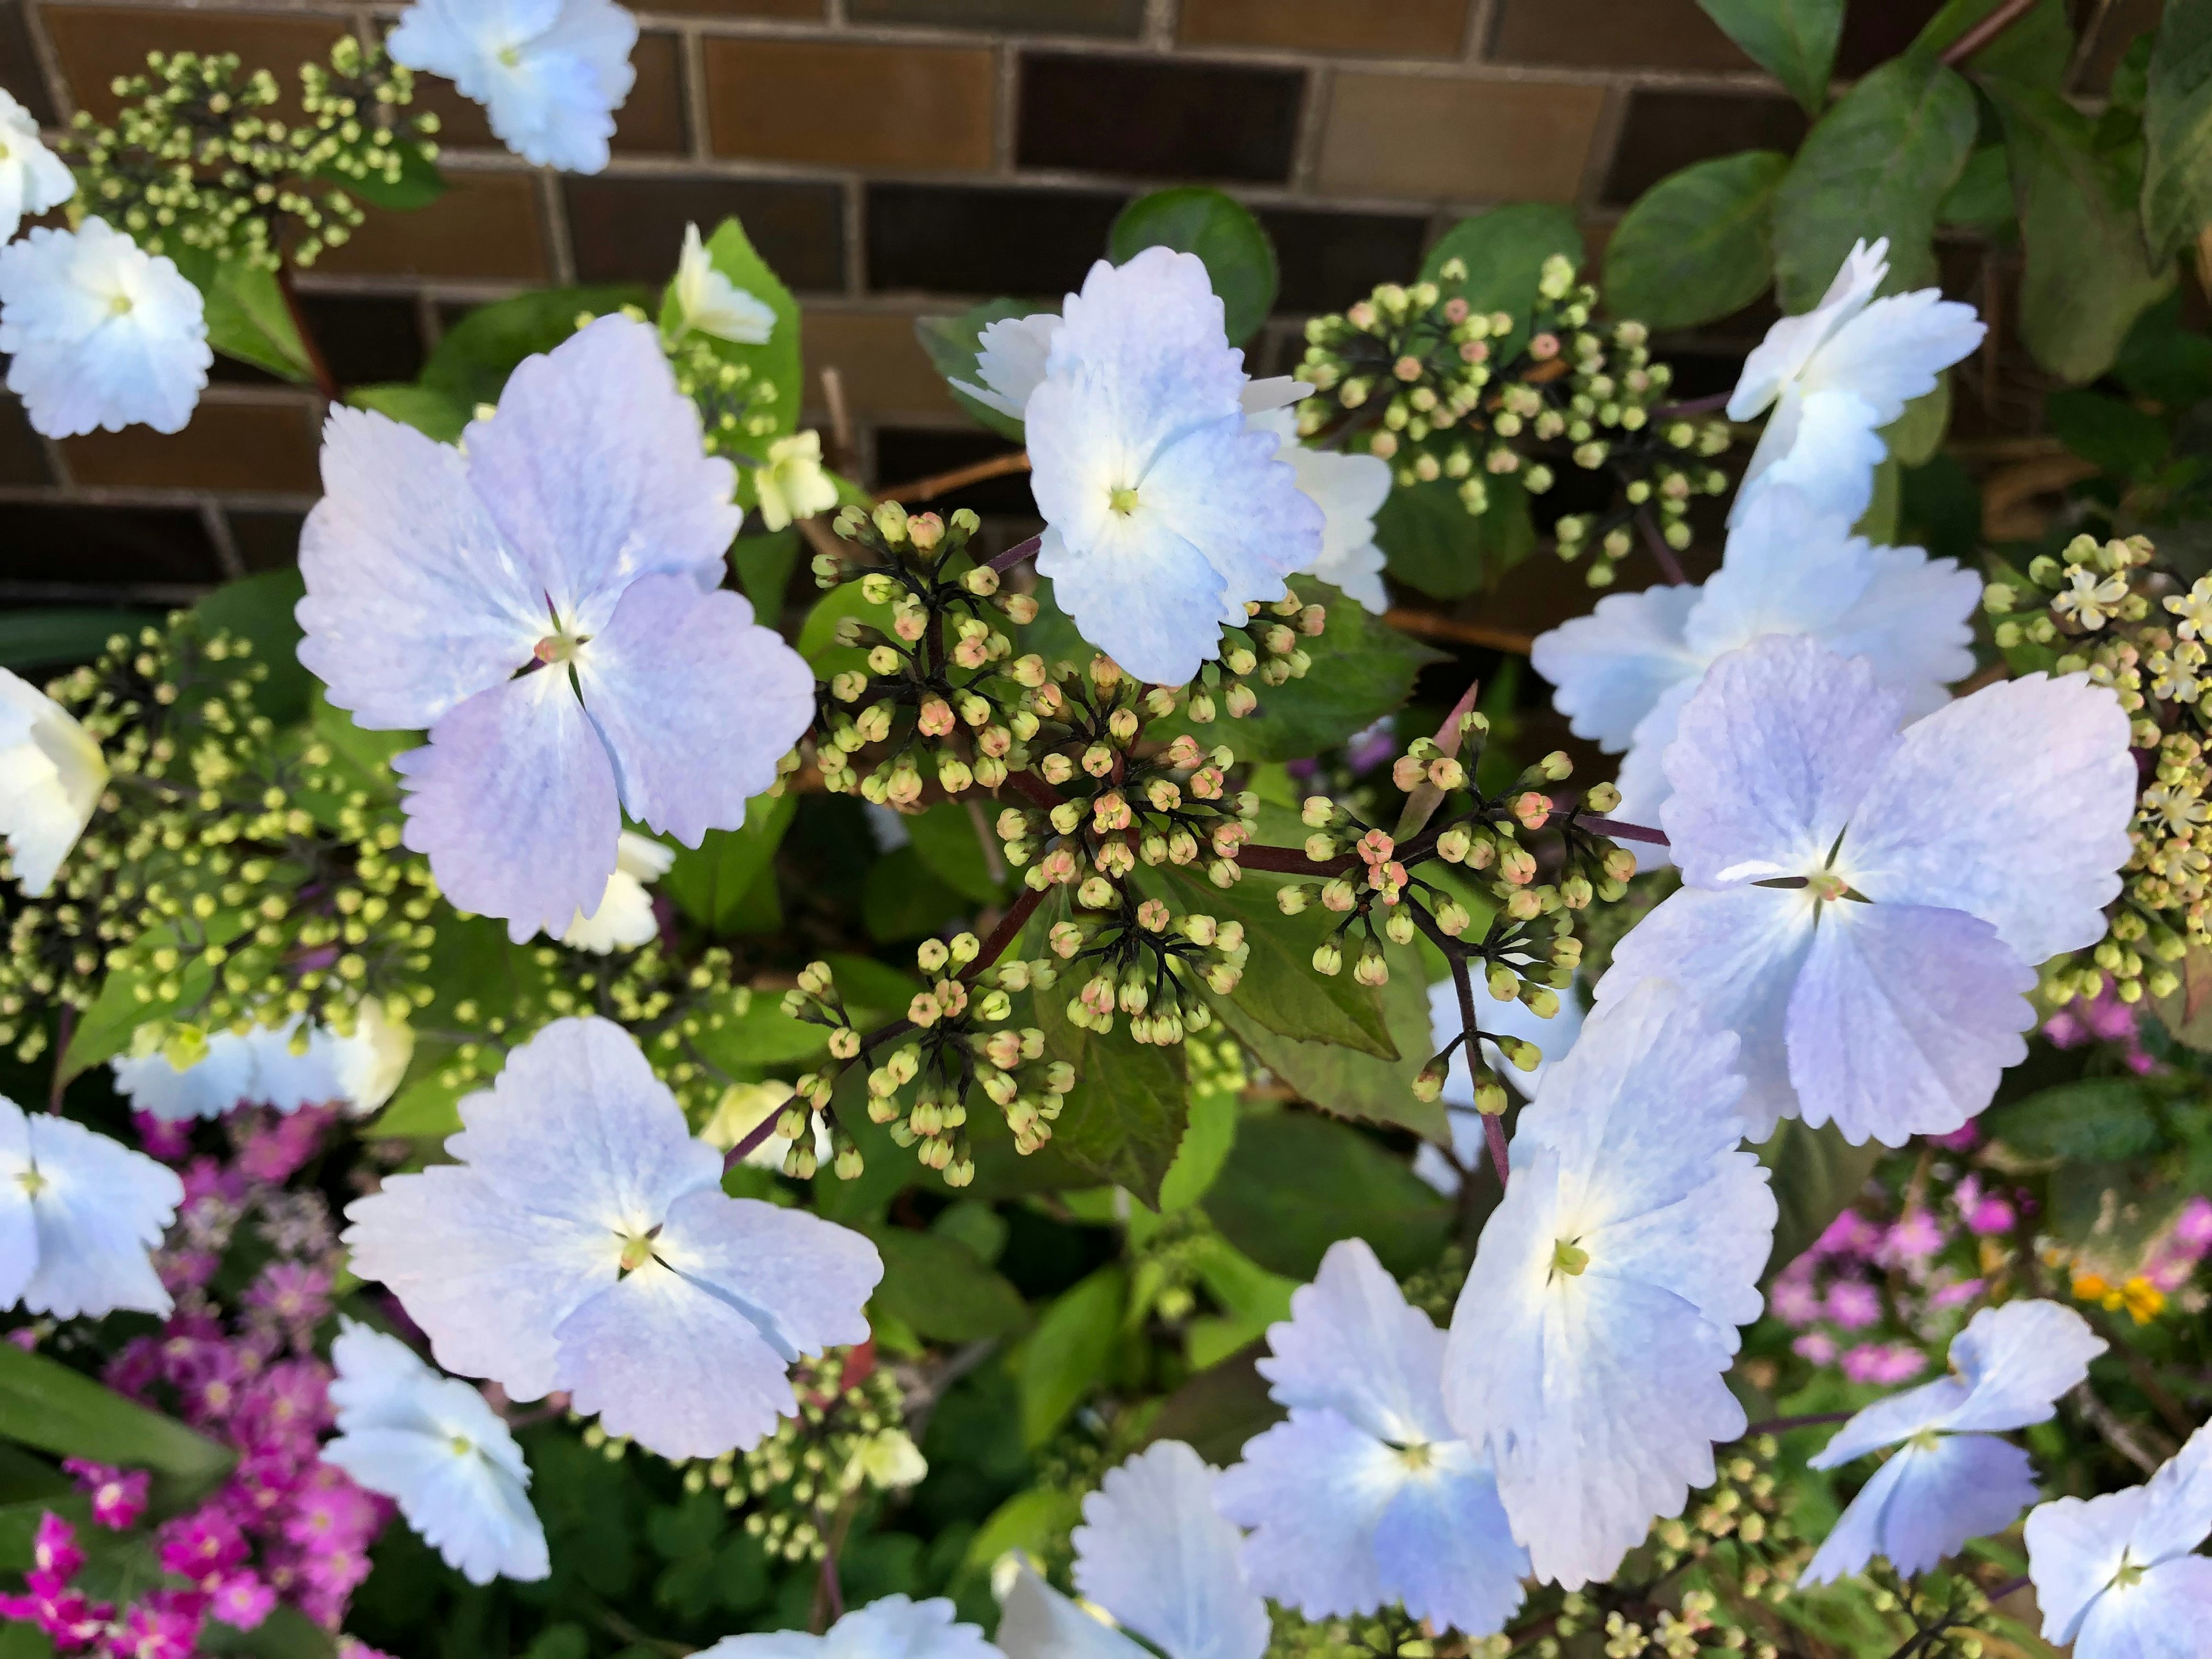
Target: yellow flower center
1569	1258
32	1182
462	1445
1827	885
557	647
120	305
1417	1456
1122	500
511	55
637	1248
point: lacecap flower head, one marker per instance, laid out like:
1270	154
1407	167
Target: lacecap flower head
433	1446
32	177
1368	1495
582	1242
51	776
78	1215
1837	375
1165	513
1951	1478
894	1627
1622	673
1153	1553
2116	1576
1863	908
103	335
547	605
1587	1351
550	73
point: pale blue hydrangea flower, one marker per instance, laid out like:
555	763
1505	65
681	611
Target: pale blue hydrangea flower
2115	1576
263	1068
1368	1496
545	602
433	1444
550	73
1622	673
1839	373
1951	1478
51	777
78	1214
1554	1035
1350	490
583	1242
1165	512
1988	837
1155	1555
894	1627
1587	1351
32	177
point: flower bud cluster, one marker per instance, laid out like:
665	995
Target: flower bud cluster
1415	376
942	700
1271	651
2110	609
1139	959
196	159
737	407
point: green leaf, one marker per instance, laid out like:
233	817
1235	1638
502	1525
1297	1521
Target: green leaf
2104	1119
44	1404
1280	991
942	1289
1239	255
763	564
1915	434
1363	669
1348	1083
1252	1298
1940	508
1793	40
1034	1520
1430	541
105	1031
2033	49
948	840
2115	437
1068	1354
1699	244
2177	184
419	183
62	637
1296	1183
1877	164
902	899
367	755
286	1633
1982	199
774	361
2164	362
471	362
709	883
435	414
1878	523
1204	1146
1219	1409
2187	1013
743	1040
259	608
1505	251
427	1104
247	316
1817	1176
1125	1120
2089	275
953	343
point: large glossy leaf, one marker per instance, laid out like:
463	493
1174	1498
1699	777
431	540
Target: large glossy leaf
1793	40
1219	1409
1430	540
2033	49
1877	164
1817	1176
471	362
1238	253
2177	183
1206	1143
1349	1083
710	883
2107	1118
1068	1354
952	344
941	1289
1505	251
1296	1183
1698	245
43	1403
247	316
1124	1123
2089	275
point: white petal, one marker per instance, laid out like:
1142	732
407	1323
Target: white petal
2013	806
473	1513
51	776
624	921
2164	1616
1353	1345
1038	1622
2177	1502
1609	669
1885	1422
2017	1359
1825	445
1154	1554
1447	1548
1010	357
94	1207
2075	1547
1912	621
1790	568
1924	1503
220	1080
800	1280
1311	1491
1789	343
896	1627
1891	352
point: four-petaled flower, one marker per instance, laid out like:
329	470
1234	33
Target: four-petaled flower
550	73
78	1215
2090	599
710	303
2116	1575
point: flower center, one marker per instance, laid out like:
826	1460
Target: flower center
1569	1258
1122	499
1827	885
462	1445
32	1182
557	647
1417	1456
637	1248
119	306
511	55
2131	1573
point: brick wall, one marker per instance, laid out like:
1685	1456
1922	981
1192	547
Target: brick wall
893	157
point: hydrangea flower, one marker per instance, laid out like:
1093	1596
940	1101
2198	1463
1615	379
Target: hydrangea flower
1837	375
1165	512
1863	908
546	603
32	177
894	1627
1622	673
78	1214
624	920
433	1445
1554	1036
1350	490
550	73
103	334
1951	1478
1154	1555
583	1242
264	1068
792	482
711	303
1587	1351
1368	1495
51	776
2116	1575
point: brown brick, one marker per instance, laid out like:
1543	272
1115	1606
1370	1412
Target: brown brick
1328	259
883	366
850	106
1117	17
486	226
95	44
1158	117
22	456
266	541
49	542
256	445
1674	34
20	71
1666	131
1403	28
985	240
808	11
1459	140
628	230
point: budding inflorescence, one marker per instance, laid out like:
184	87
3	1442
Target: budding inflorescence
197	162
1139	959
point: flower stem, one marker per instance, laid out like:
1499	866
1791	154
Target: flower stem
317	365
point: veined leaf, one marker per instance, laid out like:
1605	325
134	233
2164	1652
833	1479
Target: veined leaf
1296	1183
1793	40
1699	244
1238	254
2177	184
1505	251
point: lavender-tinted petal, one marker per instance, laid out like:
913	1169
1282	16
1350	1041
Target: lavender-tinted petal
1447	1549
2163	1616
1353	1345
2017	1359
2075	1547
1153	1551
1608	669
1310	1491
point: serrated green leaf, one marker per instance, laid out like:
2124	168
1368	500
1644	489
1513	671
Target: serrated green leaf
1878	523
941	1289
1034	1521
1125	1120
953	343
902	899
1505	251
2107	1119
742	1041
1238	253
1295	1183
437	415
710	882
427	1106
2177	183
1793	40
44	1404
1698	245
1982	199
1877	164
1348	1083
1817	1176
1068	1354
471	362
2089	275
2163	360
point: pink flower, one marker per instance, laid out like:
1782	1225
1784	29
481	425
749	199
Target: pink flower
164	1625
292	1294
69	1620
1816	1346
118	1497
25	1338
169	1140
330	1514
204	1545
187	1270
1853	1305
1795	1302
271	1150
1955	1296
2192	1228
1962	1139
1914	1238
53	1548
1874	1362
1849	1234
242	1601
